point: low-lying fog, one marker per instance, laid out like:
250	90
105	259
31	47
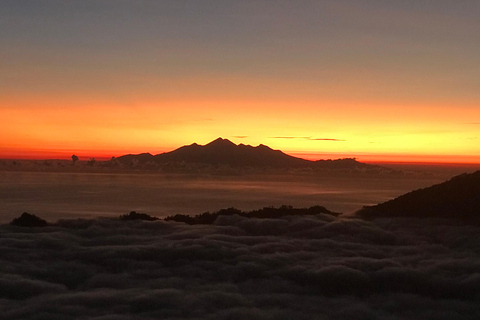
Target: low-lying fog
70	195
310	267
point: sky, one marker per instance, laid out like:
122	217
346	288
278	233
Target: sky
377	80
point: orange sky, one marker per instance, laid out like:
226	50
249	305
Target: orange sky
369	133
391	82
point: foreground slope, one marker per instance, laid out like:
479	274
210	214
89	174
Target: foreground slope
458	197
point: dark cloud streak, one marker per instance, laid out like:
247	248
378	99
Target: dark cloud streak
308	138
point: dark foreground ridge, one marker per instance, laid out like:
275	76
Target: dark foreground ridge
133	215
264	213
30	220
458	198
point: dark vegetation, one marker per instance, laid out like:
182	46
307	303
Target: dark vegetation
29	220
264	213
458	197
133	215
74	159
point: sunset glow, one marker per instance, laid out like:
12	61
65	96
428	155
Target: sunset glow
373	80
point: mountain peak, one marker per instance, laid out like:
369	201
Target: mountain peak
262	146
220	142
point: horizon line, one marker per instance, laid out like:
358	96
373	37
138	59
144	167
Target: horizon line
63	155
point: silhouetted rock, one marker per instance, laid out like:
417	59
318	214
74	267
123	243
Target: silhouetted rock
264	213
29	220
458	197
74	159
137	216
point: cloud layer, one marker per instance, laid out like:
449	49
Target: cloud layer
315	267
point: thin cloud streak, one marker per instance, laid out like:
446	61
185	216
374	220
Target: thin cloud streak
308	138
327	139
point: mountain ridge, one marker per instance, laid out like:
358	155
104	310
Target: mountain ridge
223	152
458	198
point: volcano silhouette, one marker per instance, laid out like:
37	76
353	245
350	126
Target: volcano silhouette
221	152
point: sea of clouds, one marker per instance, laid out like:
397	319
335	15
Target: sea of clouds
310	267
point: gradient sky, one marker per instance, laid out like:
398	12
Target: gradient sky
384	80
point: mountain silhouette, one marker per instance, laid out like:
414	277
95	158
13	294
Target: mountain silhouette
224	152
458	197
221	152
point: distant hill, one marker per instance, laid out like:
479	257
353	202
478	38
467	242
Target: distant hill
458	197
29	220
223	152
264	213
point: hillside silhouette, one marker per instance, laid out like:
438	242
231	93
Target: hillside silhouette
264	213
458	197
29	220
223	152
